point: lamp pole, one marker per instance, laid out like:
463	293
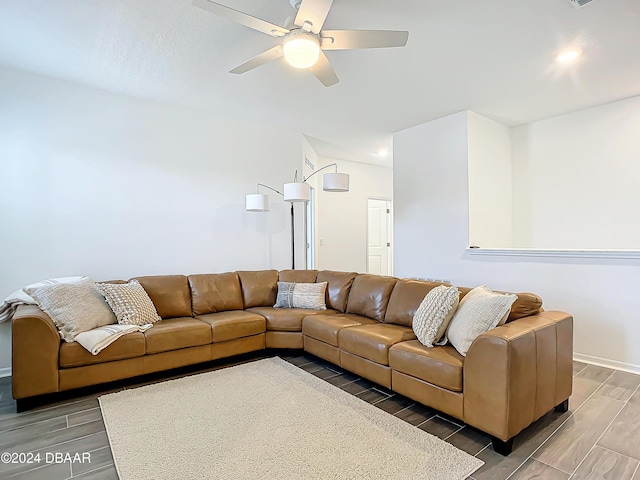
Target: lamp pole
333	182
293	241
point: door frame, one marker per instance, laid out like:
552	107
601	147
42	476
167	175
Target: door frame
310	231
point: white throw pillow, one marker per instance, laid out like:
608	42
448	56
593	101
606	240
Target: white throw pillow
480	310
301	295
74	307
130	302
432	317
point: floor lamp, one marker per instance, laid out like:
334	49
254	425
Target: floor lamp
297	192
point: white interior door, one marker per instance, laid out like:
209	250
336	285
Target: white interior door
379	237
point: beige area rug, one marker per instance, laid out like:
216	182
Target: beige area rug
267	420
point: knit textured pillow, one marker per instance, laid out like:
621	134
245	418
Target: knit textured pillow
480	310
74	307
301	295
130	302
432	317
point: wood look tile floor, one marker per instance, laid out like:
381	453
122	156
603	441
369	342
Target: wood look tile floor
596	439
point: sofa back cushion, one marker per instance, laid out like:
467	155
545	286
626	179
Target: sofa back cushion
216	292
369	295
338	287
298	276
260	288
405	299
169	293
526	304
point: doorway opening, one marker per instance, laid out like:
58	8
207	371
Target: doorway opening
379	237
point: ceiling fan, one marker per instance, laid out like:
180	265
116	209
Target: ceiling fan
304	43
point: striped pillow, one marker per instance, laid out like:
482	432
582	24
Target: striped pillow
480	311
301	295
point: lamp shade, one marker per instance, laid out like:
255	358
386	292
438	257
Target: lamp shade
297	192
257	202
335	182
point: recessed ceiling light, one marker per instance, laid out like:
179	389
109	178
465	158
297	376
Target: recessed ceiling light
383	152
568	56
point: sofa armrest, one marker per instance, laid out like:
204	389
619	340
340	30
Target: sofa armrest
35	350
517	372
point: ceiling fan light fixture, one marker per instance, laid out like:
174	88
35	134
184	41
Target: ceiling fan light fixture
568	56
301	49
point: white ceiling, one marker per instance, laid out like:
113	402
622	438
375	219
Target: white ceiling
495	57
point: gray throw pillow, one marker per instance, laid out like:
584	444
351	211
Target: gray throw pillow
301	295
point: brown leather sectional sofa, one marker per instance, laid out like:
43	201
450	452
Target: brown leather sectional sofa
511	376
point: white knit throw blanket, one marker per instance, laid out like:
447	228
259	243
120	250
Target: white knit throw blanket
100	338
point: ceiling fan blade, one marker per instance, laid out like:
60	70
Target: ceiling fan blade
324	71
241	18
264	57
313	11
353	39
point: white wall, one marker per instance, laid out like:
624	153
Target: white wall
343	216
110	186
576	179
490	192
431	233
430	184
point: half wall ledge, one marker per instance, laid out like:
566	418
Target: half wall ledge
562	253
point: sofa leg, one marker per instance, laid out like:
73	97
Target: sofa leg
562	407
502	448
24	404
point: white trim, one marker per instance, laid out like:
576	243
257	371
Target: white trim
543	252
605	362
5	372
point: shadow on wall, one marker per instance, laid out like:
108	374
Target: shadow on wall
273	225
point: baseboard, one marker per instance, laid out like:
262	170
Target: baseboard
605	362
5	372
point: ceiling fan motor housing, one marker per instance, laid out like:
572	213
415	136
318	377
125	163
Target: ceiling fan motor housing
575	3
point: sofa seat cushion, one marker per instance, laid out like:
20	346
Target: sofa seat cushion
373	341
233	324
176	333
441	366
326	327
286	319
131	345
